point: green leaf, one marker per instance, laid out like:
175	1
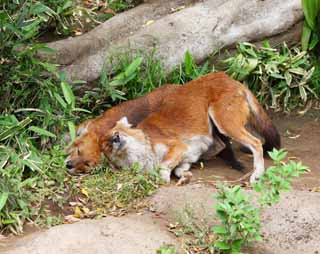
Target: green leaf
3	199
60	100
221	245
188	61
305	37
81	110
67	5
41	131
132	68
8	221
314	41
236	245
68	94
311	10
220	230
72	130
303	94
14	129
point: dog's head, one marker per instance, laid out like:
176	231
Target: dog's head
84	153
121	138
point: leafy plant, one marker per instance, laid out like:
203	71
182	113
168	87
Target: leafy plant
188	70
280	78
310	33
240	219
37	105
277	178
132	75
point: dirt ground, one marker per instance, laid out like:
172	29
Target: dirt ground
292	226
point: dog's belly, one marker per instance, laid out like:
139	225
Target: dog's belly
197	146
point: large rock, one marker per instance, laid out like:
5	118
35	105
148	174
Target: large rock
125	235
201	28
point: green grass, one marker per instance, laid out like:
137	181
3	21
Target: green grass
117	191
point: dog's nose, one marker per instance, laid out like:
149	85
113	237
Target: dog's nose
116	138
69	164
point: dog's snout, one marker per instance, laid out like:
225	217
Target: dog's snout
69	164
116	138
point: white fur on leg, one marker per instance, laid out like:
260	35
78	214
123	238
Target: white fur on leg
258	162
165	175
179	170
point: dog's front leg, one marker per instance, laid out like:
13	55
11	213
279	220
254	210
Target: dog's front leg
172	159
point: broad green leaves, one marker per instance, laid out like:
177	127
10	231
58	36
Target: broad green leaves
280	77
277	178
310	33
239	218
120	80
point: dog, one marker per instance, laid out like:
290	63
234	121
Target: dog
180	131
85	151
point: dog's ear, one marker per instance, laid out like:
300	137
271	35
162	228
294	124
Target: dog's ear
124	122
83	128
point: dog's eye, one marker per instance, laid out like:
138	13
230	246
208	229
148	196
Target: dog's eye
115	138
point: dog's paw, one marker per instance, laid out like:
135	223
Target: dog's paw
185	178
255	177
237	165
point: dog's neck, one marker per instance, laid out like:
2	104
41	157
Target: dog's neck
136	151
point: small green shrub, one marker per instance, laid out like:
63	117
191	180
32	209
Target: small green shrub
63	17
240	219
279	77
277	178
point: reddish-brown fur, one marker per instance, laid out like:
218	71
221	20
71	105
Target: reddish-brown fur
230	105
196	96
85	151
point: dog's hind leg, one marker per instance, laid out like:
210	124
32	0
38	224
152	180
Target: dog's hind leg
231	122
228	155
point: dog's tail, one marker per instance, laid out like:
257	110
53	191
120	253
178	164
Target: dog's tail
262	124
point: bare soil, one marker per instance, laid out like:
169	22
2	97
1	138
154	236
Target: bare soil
292	226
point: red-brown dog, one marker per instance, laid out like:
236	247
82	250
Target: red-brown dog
180	131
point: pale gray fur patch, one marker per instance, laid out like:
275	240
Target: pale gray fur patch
258	164
133	151
197	146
